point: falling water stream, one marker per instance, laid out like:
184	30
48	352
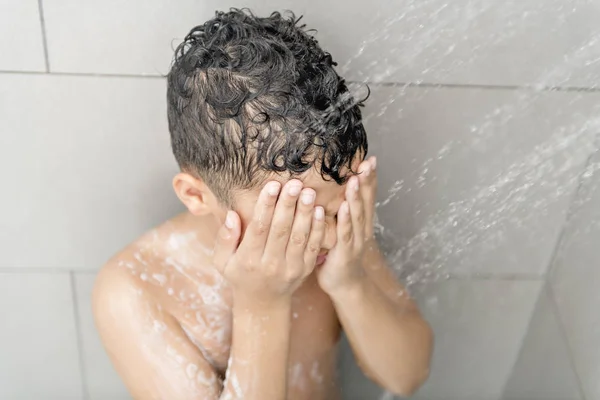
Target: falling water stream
472	226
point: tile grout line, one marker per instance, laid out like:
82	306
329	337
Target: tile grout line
570	210
524	338
83	74
42	270
562	331
533	88
551	267
44	40
84	384
580	89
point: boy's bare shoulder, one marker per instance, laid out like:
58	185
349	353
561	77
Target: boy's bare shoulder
124	274
145	267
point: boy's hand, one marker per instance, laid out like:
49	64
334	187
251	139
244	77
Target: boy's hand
343	267
280	245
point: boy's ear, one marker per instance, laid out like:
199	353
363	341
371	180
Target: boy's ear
194	194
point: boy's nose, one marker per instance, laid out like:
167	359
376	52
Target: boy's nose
330	234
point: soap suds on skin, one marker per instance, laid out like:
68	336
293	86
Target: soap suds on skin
315	374
180	242
178	357
139	258
235	384
296	374
191	370
158	326
205	380
231	377
198	345
160	278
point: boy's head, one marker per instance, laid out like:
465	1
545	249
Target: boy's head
252	99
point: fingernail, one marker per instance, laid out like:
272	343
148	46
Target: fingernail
229	223
307	197
319	213
294	190
374	163
355	185
273	188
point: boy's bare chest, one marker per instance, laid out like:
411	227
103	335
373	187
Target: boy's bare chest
206	319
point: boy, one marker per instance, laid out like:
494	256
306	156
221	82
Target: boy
244	295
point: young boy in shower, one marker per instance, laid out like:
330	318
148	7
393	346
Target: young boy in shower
244	295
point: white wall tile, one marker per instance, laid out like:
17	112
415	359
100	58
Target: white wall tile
479	42
478	180
515	42
575	280
100	376
38	341
543	370
125	37
479	327
86	165
21	43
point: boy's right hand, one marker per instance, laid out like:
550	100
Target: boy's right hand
280	245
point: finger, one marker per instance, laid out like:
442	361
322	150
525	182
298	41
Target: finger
357	214
228	238
368	174
283	217
301	226
344	227
368	190
258	228
315	240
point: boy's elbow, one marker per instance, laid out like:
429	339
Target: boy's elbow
407	384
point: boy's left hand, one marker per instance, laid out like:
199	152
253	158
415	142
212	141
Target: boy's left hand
343	267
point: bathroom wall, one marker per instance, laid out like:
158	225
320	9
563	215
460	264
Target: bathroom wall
483	114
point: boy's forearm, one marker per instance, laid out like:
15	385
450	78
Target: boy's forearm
259	352
392	345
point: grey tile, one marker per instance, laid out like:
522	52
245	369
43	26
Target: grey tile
575	280
479	327
128	37
476	180
101	378
38	341
86	165
543	370
487	42
21	43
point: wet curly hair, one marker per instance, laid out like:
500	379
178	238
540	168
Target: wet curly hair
248	96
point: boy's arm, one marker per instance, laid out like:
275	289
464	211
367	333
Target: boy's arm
390	339
156	360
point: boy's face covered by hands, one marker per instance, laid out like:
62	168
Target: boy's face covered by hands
344	232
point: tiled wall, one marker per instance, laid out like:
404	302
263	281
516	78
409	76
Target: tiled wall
483	114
